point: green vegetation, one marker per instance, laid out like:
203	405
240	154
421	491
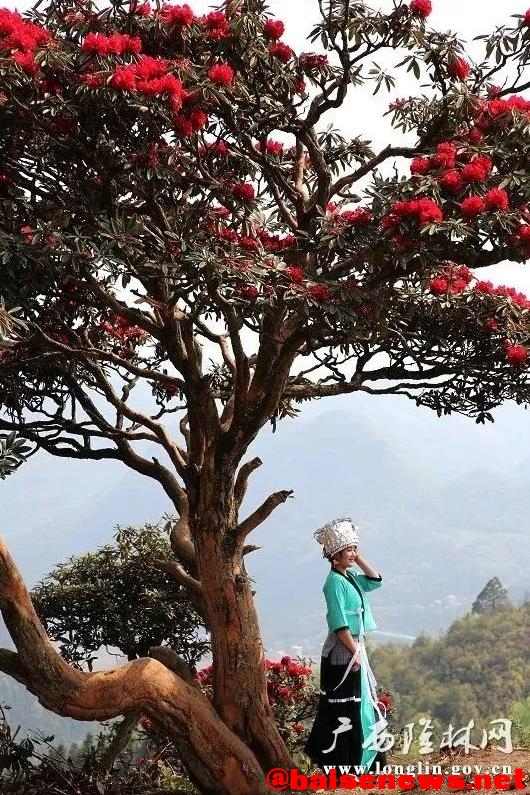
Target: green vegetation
479	669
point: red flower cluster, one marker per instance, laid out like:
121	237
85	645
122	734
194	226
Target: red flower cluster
182	16
274	243
296	274
487	288
216	26
274	29
472	206
287	680
495	199
187	124
21	39
116	44
270	147
526	18
490	324
248	291
309	61
222	74
214	148
319	292
497	111
244	191
459	68
356	217
281	51
477	170
420	165
421	8
150	77
385	699
517	355
424	211
451	279
121	328
445	156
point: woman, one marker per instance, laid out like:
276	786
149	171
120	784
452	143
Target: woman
348	713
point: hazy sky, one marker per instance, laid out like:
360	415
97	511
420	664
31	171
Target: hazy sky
61	487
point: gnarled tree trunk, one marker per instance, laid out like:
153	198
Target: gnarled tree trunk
219	763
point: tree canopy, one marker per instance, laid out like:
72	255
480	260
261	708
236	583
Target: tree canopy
193	252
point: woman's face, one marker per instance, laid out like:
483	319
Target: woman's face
346	557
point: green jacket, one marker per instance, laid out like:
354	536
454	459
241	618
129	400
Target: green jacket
344	600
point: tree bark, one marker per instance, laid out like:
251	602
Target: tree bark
217	761
240	681
120	740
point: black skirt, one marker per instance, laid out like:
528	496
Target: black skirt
326	746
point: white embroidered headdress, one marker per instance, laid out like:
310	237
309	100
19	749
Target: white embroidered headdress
337	535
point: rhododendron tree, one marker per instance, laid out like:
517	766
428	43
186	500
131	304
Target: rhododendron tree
179	223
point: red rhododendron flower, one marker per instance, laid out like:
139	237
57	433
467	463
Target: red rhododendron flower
92	80
274	29
248	243
296	274
217	26
438	285
420	165
319	292
490	324
116	44
222	74
451	181
244	191
198	119
517	355
459	68
457	286
473	172
473	205
148	67
27	62
523	233
497	199
386	700
281	51
422	8
485	162
143	10
426	210
310	60
299	87
445	156
355	217
248	291
484	287
125	78
177	15
184	126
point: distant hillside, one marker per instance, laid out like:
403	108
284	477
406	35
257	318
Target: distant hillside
479	669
